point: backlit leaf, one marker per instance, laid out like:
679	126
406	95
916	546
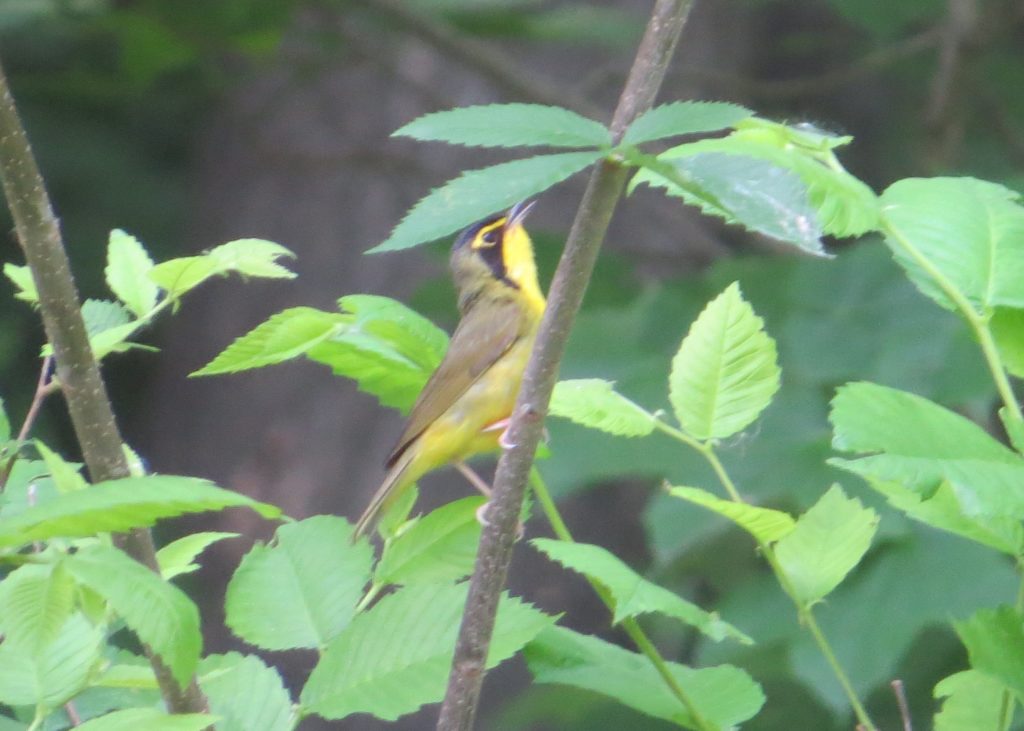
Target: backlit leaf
595	403
127	273
683	118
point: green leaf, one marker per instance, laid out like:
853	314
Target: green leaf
508	125
970	231
302	590
248	257
1007	326
942	510
177	557
245	694
632	594
683	118
65	475
160	613
828	541
479	193
440	546
35	603
725	372
21	276
761	196
845	206
102	315
119	505
284	336
726	696
922	444
594	403
970	700
765	524
127	273
51	677
994	639
150	719
387	348
395	657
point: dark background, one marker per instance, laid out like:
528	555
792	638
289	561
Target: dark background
190	123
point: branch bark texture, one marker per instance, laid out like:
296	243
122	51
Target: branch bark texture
567	289
79	376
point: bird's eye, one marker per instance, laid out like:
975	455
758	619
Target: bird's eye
490	238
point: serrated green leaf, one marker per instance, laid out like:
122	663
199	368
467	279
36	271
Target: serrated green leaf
508	125
440	546
765	524
150	719
65	475
286	335
54	675
726	696
922	444
160	613
21	276
725	372
301	591
245	694
479	193
252	258
970	231
594	403
994	639
101	315
759	195
845	206
127	273
177	557
395	657
970	700
119	505
828	541
1007	326
387	348
942	510
248	257
35	603
683	118
867	417
632	594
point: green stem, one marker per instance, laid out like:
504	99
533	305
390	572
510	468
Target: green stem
804	613
977	322
630	625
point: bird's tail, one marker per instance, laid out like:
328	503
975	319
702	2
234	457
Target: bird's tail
395	483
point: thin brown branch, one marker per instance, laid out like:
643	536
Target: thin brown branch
44	387
91	414
567	289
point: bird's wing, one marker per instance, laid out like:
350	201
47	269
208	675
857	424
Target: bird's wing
484	334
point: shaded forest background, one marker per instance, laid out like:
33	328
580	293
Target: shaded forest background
190	123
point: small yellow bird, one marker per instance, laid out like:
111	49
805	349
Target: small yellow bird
465	406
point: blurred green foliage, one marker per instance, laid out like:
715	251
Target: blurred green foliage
114	95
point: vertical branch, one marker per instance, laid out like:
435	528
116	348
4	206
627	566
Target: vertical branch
570	282
88	404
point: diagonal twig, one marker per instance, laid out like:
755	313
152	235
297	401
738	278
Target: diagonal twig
568	286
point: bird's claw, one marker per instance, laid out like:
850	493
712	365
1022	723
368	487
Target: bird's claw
481	518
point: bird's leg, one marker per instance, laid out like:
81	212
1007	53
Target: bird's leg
478	482
474	479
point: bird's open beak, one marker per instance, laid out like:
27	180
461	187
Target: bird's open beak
518	213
